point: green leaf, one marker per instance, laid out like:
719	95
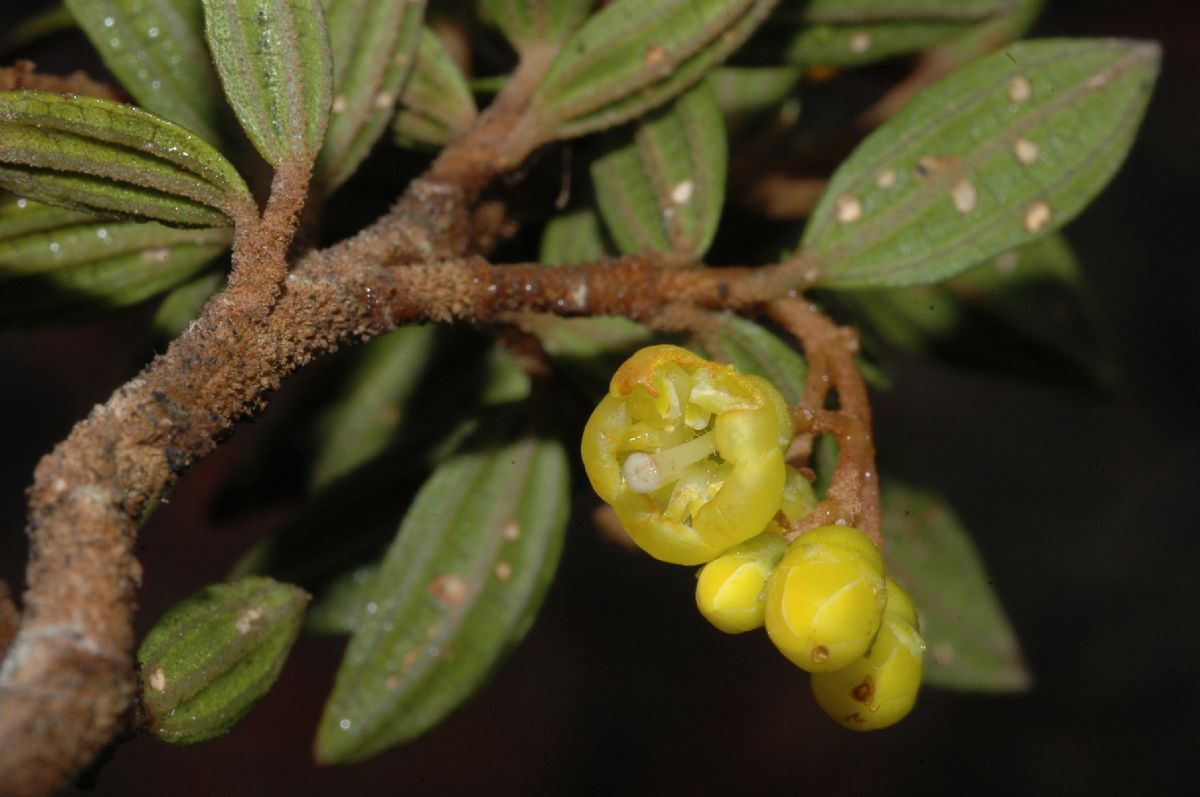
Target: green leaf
573	237
526	23
436	104
834	33
743	92
1004	151
460	585
374	45
971	645
33	29
156	49
1027	311
374	405
661	186
634	55
20	216
182	305
86	153
274	62
214	655
84	266
756	350
343	604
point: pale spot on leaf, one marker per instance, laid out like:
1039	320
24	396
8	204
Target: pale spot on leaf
1027	152
886	178
449	589
503	570
159	254
511	531
384	100
682	192
964	196
245	623
847	209
860	42
1037	215
1006	263
158	680
1019	89
339	104
656	55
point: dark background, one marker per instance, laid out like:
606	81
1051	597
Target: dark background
1083	504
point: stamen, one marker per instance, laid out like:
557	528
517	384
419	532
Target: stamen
645	473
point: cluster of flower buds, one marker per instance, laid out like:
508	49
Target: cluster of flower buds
690	455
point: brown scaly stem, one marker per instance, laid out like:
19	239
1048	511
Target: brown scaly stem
853	496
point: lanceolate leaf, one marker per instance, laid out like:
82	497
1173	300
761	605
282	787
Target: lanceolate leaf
92	154
365	420
634	55
156	49
87	267
971	645
374	45
23	216
833	33
1028	311
1004	151
662	185
753	349
436	103
460	585
182	305
529	22
572	237
215	654
742	92
273	59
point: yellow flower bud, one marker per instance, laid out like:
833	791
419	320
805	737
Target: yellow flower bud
688	452
825	599
731	589
881	688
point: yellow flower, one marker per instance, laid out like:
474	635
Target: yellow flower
825	599
688	452
881	688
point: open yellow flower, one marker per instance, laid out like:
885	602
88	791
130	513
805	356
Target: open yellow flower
688	452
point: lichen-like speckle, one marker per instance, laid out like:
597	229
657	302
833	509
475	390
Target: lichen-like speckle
511	530
158	680
682	192
1026	151
964	196
860	42
1037	215
245	623
1019	89
886	178
384	100
503	570
656	56
847	209
449	589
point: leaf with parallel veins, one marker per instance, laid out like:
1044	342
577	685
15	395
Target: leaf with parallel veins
1002	152
92	154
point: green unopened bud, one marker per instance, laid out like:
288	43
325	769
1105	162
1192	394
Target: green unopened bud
215	654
